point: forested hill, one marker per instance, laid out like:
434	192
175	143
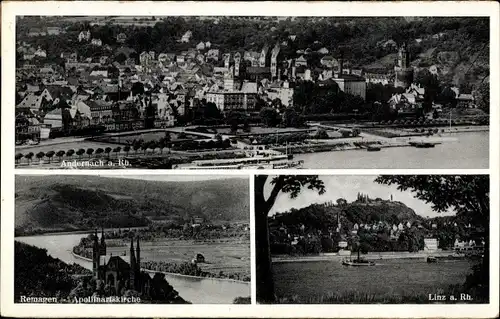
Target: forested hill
48	203
457	46
362	211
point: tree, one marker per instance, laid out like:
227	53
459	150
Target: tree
117	150
40	156
18	157
120	58
80	152
136	147
60	154
90	151
108	150
126	149
50	154
99	151
29	156
268	116
290	118
137	88
70	153
467	195
292	185
482	96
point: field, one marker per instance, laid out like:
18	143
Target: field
389	279
226	255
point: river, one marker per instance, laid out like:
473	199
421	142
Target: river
195	290
390	278
465	151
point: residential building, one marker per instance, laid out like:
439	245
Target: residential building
96	42
53	30
186	37
121	38
431	244
84	36
233	101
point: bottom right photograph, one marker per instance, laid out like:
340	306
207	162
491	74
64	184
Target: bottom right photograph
372	239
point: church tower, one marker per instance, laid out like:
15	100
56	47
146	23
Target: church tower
102	248
132	264
138	262
403	70
95	257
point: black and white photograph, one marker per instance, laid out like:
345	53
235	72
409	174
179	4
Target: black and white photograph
361	239
234	92
132	239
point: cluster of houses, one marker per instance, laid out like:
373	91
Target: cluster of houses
99	90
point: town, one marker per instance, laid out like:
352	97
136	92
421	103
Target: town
116	85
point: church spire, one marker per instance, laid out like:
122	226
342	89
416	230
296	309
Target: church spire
138	263
132	264
102	248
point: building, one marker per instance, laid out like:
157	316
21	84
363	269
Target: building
403	70
264	57
274	61
53	30
186	37
233	101
466	101
431	244
96	42
283	92
117	272
121	38
84	36
351	84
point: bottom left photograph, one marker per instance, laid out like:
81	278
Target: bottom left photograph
179	239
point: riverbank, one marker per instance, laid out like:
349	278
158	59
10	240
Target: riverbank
369	256
152	271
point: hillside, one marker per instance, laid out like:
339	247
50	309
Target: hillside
324	216
49	203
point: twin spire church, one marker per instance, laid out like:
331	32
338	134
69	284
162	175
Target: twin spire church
117	272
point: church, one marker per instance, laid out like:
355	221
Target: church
116	272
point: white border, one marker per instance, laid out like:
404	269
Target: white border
11	9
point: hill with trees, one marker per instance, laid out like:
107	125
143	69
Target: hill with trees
55	203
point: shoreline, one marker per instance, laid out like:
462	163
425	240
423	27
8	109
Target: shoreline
170	273
373	256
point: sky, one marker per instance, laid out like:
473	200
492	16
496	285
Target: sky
348	186
178	178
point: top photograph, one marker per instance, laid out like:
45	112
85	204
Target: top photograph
252	92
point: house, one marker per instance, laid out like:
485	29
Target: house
57	119
35	32
352	84
213	54
301	61
329	61
166	57
431	244
323	51
40	53
96	42
145	59
466	101
121	38
186	37
34	102
103	59
69	57
208	45
84	36
200	46
53	30
377	78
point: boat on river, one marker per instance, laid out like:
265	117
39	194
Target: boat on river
431	259
373	148
422	144
255	162
358	262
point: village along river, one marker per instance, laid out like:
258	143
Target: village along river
193	289
466	150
